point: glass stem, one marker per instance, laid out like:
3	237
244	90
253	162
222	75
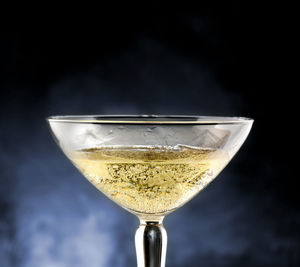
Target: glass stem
151	244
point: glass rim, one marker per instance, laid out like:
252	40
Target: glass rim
148	119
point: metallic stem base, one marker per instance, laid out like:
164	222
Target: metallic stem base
151	244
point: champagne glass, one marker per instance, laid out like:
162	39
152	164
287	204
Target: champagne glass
150	165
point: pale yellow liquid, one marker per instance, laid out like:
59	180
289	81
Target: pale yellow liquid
150	180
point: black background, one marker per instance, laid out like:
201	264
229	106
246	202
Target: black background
217	59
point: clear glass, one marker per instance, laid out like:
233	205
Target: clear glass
150	165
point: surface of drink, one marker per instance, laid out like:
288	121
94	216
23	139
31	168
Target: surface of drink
150	179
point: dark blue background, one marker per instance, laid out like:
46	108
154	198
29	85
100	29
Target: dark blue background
217	59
